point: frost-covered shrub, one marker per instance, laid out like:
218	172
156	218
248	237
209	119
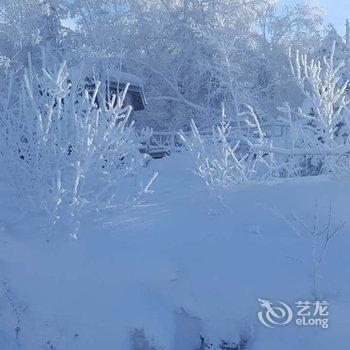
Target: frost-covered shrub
224	157
318	138
63	153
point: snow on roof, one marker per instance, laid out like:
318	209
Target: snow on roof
123	77
120	77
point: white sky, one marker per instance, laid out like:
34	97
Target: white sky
336	12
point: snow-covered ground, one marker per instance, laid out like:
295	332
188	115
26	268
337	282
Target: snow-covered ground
184	265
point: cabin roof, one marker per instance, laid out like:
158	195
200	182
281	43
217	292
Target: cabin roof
124	77
117	82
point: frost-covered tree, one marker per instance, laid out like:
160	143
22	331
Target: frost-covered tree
194	55
280	28
26	26
335	42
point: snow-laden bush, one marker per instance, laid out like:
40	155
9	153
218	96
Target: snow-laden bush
67	153
318	139
223	158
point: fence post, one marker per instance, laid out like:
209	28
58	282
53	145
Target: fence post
148	144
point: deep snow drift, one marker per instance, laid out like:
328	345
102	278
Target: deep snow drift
184	265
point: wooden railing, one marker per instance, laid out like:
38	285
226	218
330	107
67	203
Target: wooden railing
164	142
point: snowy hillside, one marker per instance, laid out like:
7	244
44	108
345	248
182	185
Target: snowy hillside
183	266
174	175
